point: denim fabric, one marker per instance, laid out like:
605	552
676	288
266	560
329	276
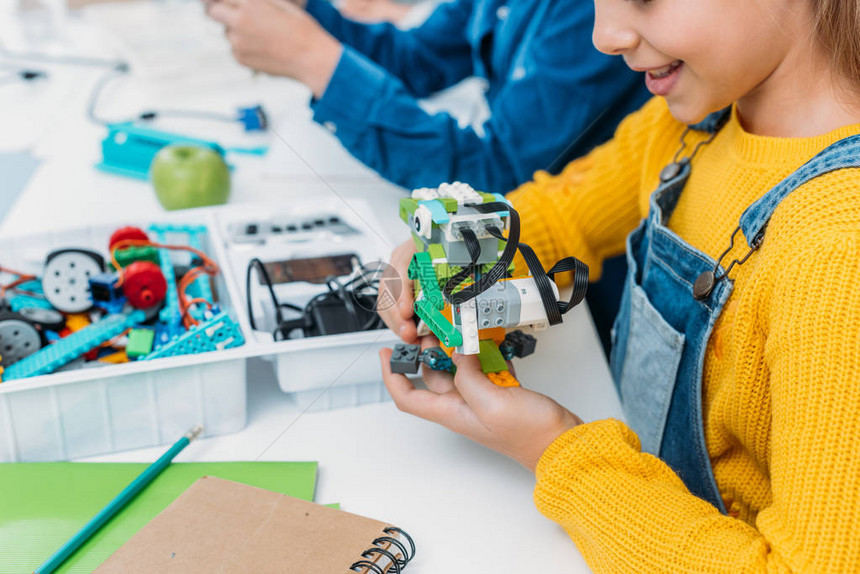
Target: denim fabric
654	355
842	154
663	268
661	332
550	93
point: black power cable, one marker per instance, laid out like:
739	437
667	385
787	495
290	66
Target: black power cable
255	263
345	307
554	308
500	268
473	246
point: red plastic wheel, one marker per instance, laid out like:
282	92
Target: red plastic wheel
126	233
144	284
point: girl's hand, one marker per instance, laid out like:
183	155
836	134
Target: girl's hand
278	38
514	421
398	316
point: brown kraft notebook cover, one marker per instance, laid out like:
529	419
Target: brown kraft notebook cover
224	526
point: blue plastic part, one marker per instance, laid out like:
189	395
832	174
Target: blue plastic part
19	302
200	288
165	333
112	307
258	151
436	359
162	228
34	286
437	210
129	149
103	288
170	313
253	119
220	333
501	198
54	356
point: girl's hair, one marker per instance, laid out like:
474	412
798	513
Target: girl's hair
837	25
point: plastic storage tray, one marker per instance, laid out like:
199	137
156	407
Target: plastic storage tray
70	414
86	412
320	372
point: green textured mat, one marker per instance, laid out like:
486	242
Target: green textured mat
43	504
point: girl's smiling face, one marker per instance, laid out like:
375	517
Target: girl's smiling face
703	55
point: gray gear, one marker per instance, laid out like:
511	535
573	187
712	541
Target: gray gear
66	280
47	318
18	339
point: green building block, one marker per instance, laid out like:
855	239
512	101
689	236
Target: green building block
488	197
491	358
441	327
450	204
407	208
139	343
422	272
129	255
429	308
487	266
436	251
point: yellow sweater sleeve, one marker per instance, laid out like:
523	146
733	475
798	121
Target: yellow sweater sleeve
629	512
588	210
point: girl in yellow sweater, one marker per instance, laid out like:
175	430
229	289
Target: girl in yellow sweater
737	348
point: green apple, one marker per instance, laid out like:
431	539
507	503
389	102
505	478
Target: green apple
189	176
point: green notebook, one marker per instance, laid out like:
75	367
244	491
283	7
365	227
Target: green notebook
43	504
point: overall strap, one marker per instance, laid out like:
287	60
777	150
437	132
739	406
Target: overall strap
713	122
673	177
843	154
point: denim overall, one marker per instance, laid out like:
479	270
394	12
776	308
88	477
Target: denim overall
662	330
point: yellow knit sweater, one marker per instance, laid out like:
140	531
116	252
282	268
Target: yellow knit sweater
781	383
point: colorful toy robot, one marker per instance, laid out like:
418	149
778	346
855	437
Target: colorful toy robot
467	291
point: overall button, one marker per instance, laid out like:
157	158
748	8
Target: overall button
670	171
502	12
704	285
330	126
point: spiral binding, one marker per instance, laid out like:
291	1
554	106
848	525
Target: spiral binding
397	565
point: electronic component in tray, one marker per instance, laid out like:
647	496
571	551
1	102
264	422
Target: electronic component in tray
289	229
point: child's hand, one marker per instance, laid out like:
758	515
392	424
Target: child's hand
399	317
278	38
514	421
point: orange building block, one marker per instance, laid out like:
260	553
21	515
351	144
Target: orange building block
503	379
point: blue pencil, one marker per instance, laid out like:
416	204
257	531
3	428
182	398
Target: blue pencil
116	504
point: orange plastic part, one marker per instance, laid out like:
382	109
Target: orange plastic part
115	358
77	321
497	334
503	379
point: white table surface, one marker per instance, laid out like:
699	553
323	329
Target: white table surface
468	508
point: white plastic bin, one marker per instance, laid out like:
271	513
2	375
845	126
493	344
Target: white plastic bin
105	409
321	372
93	411
332	372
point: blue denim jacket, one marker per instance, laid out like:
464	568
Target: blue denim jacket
550	92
